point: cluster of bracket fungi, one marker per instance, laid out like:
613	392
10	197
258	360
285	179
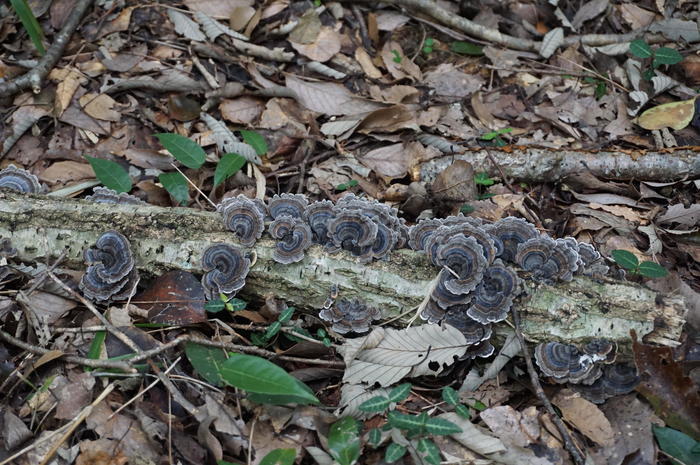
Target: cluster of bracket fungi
475	287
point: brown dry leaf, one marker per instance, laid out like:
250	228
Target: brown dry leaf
49	307
621	211
126	60
243	110
75	395
455	184
673	284
100	106
636	16
398	64
43	400
511	426
678	213
448	81
620	225
240	16
367	64
133	442
676	115
307	29
100	452
69	79
63	172
175	298
265	440
284	113
75	116
328	98
325	47
391	161
585	416
390	119
483	113
219	9
395	94
14	432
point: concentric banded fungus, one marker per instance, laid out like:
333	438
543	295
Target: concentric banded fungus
564	362
443	296
511	232
474	332
287	204
547	259
352	231
419	233
616	380
593	262
318	215
19	180
226	268
432	312
444	235
111	274
347	315
293	236
493	297
483	349
464	259
106	195
386	219
601	350
245	217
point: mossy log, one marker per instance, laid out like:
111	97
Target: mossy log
162	239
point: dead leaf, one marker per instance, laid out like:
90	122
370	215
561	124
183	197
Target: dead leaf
676	115
455	184
75	395
328	98
679	214
220	9
391	161
244	110
63	172
636	16
397	63
366	63
448	81
621	211
585	416
175	298
100	106
69	79
511	426
325	47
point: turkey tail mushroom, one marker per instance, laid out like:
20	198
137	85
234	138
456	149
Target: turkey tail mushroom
19	180
226	268
111	274
245	217
293	236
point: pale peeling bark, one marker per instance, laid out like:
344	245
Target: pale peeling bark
546	165
174	238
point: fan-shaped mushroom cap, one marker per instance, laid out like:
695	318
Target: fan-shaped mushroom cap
318	215
226	268
592	262
419	233
483	349
432	312
601	350
386	219
617	379
565	362
443	296
474	332
350	315
106	195
464	257
245	217
352	230
547	259
493	297
444	235
287	204
293	236
111	274
19	180
511	232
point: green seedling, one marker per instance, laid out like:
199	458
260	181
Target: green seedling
657	56
631	263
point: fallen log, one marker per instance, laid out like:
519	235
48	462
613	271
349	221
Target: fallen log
162	239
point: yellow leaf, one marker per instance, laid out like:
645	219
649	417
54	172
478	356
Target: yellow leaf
676	115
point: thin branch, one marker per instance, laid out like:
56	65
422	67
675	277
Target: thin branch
534	379
34	77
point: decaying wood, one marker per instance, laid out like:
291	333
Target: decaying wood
546	165
162	239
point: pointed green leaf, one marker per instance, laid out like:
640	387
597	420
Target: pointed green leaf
466	48
477	405
431	452
207	361
215	306
283	399
374	437
400	392
31	25
229	165
403	421
236	304
279	457
344	440
652	270
255	140
394	452
450	396
640	49
96	346
463	411
184	149
176	185
286	315
260	376
110	173
625	259
666	56
483	179
375	404
677	444
272	330
441	427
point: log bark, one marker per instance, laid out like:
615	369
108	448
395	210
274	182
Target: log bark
162	239
530	164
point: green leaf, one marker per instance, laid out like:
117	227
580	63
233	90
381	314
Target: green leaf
477	405
31	25
397	56
286	315
450	396
466	209
110	173
463	411
466	48
403	421
344	440
429	42
431	452
347	185
176	185
224	462
374	437
284	399
255	140
625	259
677	445
483	179
184	149
652	270
214	306
640	49
600	90
394	452
236	304
400	392
272	330
375	404
260	376
96	346
229	165
440	426
666	56
207	361
279	457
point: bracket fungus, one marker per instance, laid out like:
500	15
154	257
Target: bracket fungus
494	295
474	332
547	259
351	230
226	268
319	215
566	363
443	296
292	205
111	274
350	315
106	195
592	263
616	380
464	258
245	217
511	232
19	180
293	237
419	233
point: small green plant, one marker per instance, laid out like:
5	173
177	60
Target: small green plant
495	137
31	25
428	45
601	87
631	263
346	185
466	48
274	328
279	457
397	56
658	56
677	445
232	304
